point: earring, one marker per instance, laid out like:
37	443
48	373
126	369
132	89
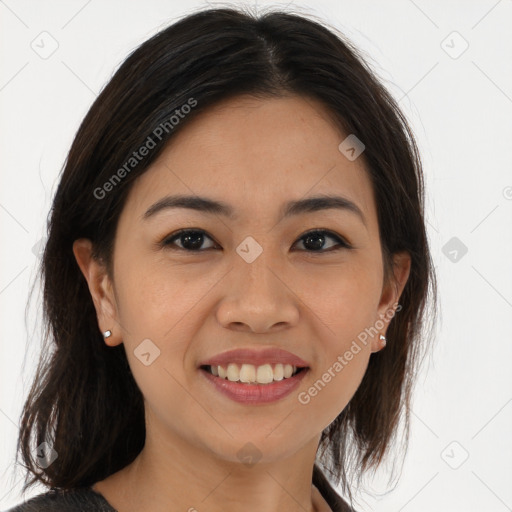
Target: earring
107	334
383	340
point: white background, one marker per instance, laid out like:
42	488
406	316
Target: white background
461	111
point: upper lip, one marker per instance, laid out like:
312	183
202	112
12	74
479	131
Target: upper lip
257	357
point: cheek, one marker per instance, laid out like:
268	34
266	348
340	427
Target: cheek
160	315
342	304
157	309
334	383
156	296
342	298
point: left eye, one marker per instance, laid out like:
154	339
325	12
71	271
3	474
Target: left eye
192	239
316	239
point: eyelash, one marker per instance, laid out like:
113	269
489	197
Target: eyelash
169	241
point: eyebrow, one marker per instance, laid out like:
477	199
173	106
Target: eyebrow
289	209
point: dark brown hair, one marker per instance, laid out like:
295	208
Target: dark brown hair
84	401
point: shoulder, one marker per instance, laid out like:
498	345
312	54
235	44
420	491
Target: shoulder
65	500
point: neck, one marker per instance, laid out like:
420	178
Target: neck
174	476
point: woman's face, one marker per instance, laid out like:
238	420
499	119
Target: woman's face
253	280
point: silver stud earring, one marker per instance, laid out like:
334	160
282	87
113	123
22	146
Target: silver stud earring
107	334
383	340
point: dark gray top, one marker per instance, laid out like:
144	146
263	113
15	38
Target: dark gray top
84	499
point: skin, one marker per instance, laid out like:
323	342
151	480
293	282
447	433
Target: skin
254	154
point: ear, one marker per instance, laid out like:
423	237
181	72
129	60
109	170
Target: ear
101	289
390	296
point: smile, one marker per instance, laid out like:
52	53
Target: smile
242	384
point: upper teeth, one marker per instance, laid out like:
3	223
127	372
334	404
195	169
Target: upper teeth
249	373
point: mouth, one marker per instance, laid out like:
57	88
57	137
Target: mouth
263	385
254	376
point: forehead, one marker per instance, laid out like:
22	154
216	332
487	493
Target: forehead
255	154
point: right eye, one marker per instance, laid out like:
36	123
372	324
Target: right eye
191	240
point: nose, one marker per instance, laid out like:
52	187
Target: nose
258	298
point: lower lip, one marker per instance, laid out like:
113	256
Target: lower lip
255	393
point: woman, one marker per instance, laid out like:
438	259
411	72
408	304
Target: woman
235	278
